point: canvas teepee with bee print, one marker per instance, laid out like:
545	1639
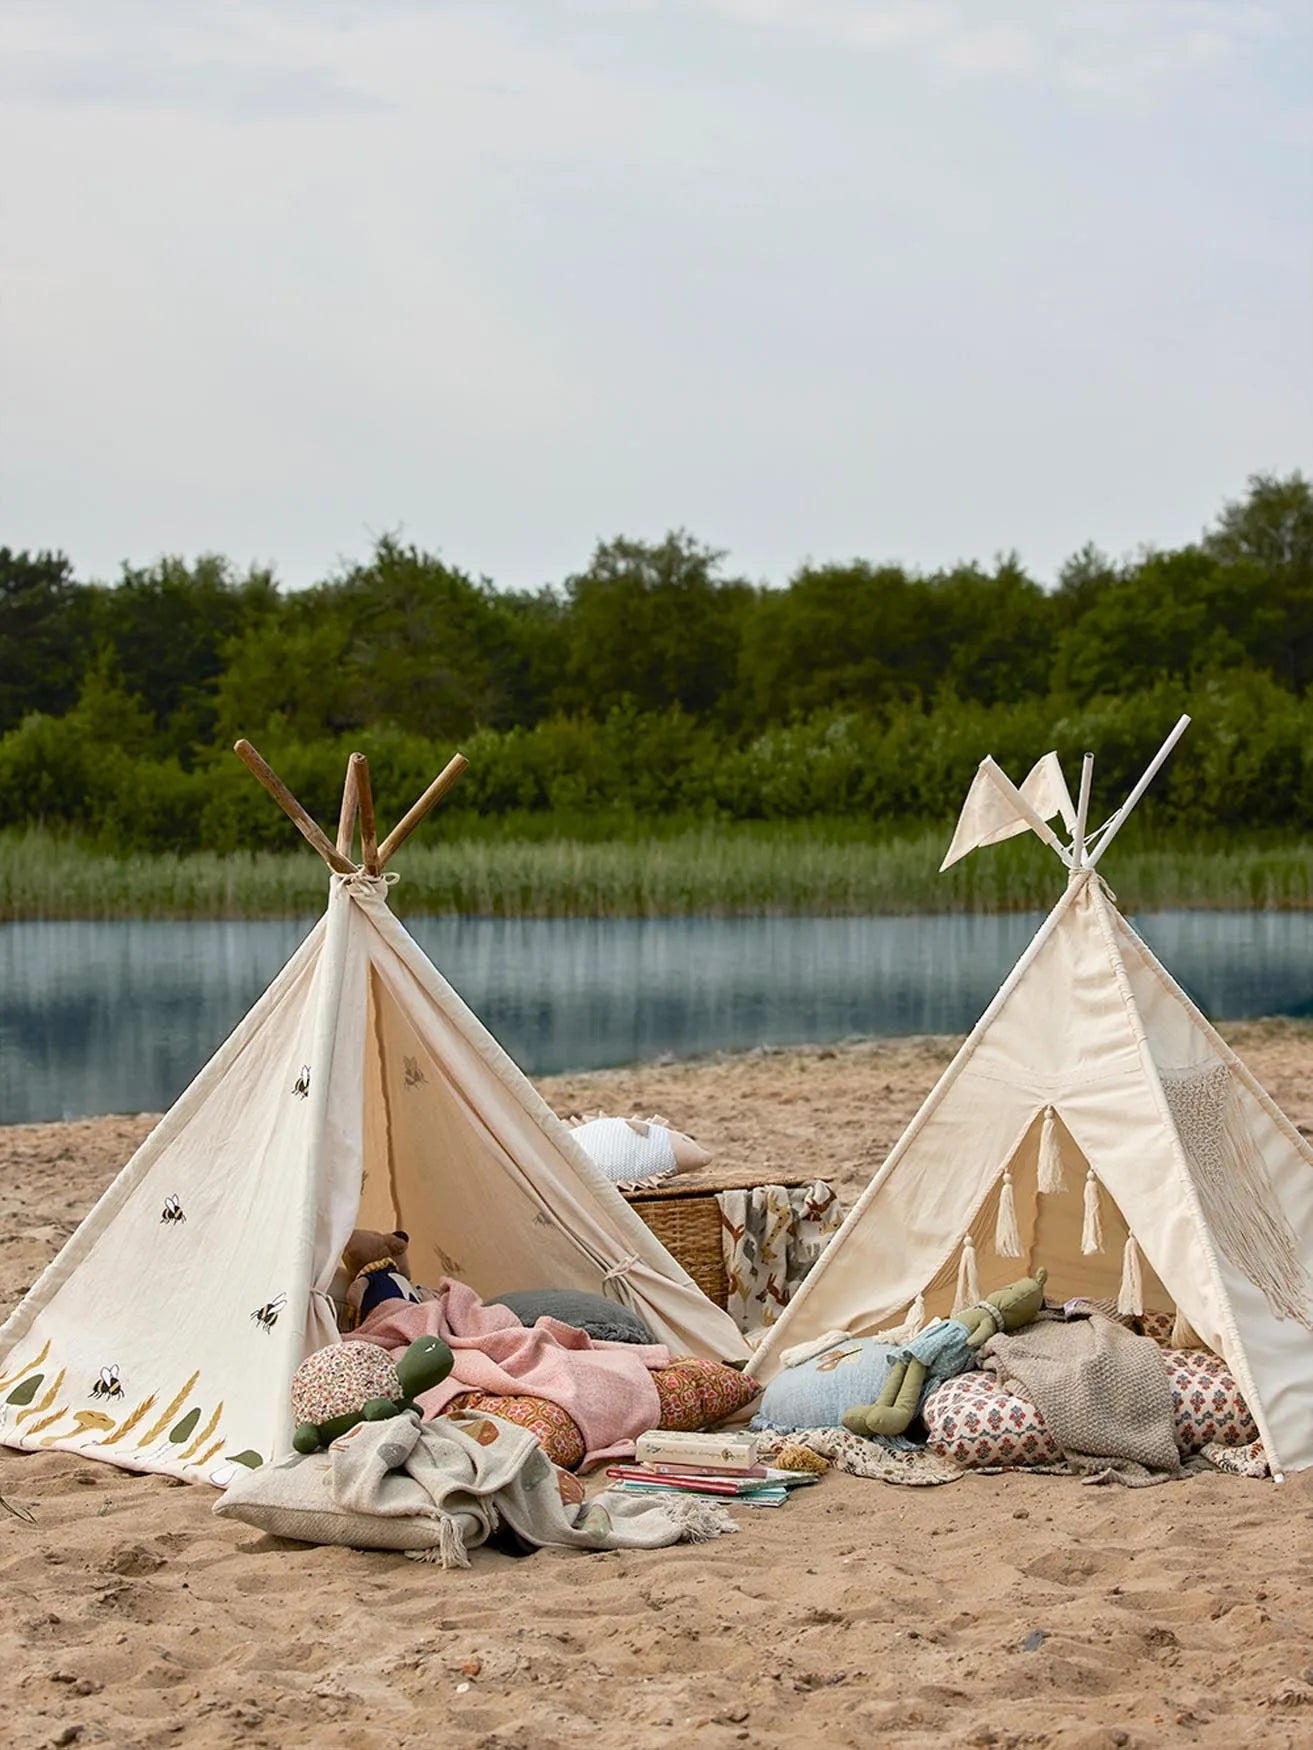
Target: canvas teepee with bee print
359	1091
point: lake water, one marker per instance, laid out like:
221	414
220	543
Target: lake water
118	1016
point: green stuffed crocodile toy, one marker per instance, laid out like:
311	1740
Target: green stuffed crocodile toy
352	1382
942	1351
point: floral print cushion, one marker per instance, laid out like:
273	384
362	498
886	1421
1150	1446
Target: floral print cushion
973	1420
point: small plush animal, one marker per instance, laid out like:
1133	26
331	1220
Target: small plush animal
346	1383
945	1349
374	1267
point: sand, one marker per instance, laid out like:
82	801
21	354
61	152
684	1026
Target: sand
1001	1611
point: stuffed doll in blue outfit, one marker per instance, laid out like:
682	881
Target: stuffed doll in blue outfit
943	1351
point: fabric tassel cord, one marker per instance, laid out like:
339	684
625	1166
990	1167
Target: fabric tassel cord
1130	1296
1091	1239
1050	1156
1007	1240
968	1278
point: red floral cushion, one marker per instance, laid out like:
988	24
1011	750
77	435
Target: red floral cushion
696	1393
973	1420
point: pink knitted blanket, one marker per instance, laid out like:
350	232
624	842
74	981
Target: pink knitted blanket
606	1387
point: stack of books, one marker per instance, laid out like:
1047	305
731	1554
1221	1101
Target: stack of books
722	1466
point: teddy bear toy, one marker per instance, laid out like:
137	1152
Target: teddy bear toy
943	1350
346	1383
374	1267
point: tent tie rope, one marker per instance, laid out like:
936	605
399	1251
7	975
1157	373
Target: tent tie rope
620	1270
364	886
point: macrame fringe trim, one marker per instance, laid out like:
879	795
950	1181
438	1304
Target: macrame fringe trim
968	1279
1050	1156
1007	1241
1130	1296
1091	1239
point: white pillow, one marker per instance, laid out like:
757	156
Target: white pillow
631	1149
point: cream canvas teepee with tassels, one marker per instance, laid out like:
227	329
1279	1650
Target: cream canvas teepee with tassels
359	1091
1093	1122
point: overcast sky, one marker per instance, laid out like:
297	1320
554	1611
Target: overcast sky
903	279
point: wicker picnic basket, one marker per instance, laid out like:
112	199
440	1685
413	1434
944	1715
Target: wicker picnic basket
683	1213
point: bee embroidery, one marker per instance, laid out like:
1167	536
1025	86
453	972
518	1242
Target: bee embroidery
301	1086
414	1076
172	1210
107	1386
266	1316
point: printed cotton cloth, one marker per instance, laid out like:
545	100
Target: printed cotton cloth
772	1235
444	1487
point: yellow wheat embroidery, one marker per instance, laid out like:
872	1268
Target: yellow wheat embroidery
46	1401
46	1422
142	1409
11	1378
157	1428
203	1436
209	1453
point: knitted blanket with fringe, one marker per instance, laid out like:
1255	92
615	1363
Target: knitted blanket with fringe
441	1488
1103	1392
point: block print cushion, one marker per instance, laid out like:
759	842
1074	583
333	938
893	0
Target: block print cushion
973	1420
556	1430
695	1393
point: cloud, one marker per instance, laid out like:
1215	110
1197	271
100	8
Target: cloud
1119	48
232	89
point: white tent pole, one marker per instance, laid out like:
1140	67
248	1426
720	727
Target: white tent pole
1119	819
1031	815
1082	812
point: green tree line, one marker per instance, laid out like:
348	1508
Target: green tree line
653	685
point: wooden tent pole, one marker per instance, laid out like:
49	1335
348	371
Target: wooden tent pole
368	828
1082	812
308	829
409	821
1119	819
346	820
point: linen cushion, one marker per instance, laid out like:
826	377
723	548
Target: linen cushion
605	1320
629	1150
818	1392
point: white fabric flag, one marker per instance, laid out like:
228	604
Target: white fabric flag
988	816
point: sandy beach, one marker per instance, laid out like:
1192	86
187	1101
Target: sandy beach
996	1611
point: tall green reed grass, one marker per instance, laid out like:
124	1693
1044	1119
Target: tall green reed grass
721	870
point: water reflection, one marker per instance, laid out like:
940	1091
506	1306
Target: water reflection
117	1017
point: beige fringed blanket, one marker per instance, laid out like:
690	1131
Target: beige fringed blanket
1103	1392
439	1489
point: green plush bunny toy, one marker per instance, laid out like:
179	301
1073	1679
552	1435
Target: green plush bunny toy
945	1349
352	1382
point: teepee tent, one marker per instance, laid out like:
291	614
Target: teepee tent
359	1091
1093	1122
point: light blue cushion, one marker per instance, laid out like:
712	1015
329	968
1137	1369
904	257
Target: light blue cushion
818	1392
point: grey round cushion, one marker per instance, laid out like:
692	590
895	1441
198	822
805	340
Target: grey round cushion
604	1319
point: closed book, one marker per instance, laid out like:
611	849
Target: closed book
736	1452
708	1470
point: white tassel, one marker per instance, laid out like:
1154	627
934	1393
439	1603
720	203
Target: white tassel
915	1317
1184	1335
1130	1296
1007	1241
968	1282
1091	1239
1050	1156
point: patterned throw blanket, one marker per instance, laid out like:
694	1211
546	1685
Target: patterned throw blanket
1103	1392
439	1489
